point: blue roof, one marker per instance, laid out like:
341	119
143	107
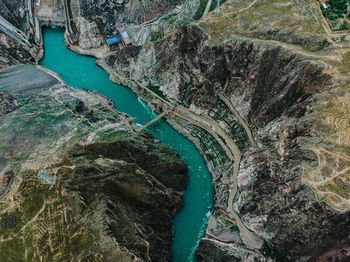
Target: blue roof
113	40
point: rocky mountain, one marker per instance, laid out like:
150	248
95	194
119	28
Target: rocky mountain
268	78
79	180
14	12
12	52
93	21
260	87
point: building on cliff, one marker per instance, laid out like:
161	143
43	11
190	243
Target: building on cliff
121	37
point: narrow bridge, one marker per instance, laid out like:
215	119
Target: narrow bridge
14	32
154	120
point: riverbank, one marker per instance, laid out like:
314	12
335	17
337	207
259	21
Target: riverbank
250	239
78	180
82	72
286	79
266	86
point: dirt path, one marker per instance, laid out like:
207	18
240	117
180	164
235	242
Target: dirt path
207	8
250	238
248	7
243	9
221	243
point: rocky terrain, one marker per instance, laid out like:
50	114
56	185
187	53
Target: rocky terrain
25	48
14	12
272	66
78	180
93	21
80	183
12	52
262	90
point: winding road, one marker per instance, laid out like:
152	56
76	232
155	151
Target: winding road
207	8
250	238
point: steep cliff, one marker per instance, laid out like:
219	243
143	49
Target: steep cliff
261	89
277	86
12	52
95	21
14	12
79	180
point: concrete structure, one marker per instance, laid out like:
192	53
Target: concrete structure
67	17
14	33
53	9
114	40
53	13
154	120
125	37
58	22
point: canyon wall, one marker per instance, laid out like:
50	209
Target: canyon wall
283	78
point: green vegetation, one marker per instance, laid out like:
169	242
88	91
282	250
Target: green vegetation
211	148
23	23
23	102
200	10
203	5
336	9
156	90
156	35
345	26
281	256
221	113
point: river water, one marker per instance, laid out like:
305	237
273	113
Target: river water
82	72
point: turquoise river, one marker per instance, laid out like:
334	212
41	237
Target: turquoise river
82	72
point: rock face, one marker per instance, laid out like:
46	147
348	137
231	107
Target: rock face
287	80
272	94
78	180
94	20
7	103
12	52
108	13
80	183
265	73
13	11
